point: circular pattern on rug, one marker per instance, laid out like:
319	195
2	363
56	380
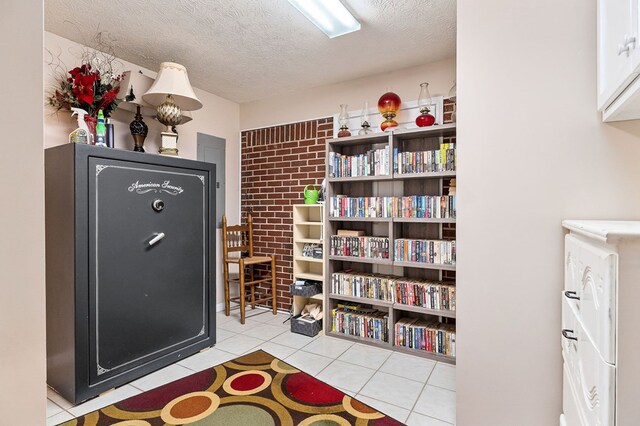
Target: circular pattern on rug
190	407
247	382
282	367
237	415
324	420
360	410
305	388
132	423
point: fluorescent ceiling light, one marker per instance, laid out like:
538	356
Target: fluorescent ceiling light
329	15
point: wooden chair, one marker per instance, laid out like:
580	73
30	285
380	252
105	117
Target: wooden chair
239	238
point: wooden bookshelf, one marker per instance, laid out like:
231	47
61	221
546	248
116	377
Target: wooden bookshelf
432	183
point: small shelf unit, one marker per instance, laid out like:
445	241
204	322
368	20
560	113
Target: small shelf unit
308	228
392	184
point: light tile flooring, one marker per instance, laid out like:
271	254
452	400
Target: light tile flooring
413	390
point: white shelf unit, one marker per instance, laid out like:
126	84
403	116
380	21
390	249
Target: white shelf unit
396	185
308	228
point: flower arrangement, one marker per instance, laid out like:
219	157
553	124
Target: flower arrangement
92	86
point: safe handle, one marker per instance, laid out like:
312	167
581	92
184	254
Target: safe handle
158	236
565	334
571	295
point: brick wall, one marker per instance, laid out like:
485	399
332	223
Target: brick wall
277	163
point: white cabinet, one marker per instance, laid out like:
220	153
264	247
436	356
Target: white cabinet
600	324
618	59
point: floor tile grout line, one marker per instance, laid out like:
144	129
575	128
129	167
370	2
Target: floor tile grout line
426	382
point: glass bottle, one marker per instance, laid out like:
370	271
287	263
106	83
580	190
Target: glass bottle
101	131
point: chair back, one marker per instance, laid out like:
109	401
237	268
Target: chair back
237	238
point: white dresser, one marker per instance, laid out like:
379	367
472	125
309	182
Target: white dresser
601	324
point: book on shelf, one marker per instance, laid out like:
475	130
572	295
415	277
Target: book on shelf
374	162
359	246
350	232
355	320
438	252
440	160
427	294
412	206
426	335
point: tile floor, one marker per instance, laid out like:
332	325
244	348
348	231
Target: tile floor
414	390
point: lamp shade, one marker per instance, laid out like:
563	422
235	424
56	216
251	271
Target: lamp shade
137	83
173	80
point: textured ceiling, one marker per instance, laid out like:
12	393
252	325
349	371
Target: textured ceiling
245	50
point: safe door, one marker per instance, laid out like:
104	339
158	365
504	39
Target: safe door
148	270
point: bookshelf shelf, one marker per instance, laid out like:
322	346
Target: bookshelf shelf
425	354
428	175
360	219
368	301
421	310
426	265
422	220
310	240
308	259
308	221
367	340
361	260
430	148
360	178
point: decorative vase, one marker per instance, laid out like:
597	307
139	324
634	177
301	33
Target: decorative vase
139	131
388	105
424	102
91	124
343	119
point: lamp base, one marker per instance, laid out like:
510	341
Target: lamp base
169	144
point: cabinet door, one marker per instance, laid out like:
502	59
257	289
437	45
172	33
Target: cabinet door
148	272
615	69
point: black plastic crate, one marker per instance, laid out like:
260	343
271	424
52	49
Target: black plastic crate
304	327
311	289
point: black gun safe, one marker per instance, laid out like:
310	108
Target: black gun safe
130	265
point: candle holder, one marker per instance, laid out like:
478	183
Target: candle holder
388	105
424	102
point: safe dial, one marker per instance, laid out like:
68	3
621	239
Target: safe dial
157	205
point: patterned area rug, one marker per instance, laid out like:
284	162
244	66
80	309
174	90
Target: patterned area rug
252	390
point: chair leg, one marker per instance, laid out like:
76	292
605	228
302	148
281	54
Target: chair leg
253	288
273	284
242	294
227	305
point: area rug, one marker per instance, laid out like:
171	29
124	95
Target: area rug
252	390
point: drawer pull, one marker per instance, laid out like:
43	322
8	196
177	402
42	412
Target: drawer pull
566	332
571	295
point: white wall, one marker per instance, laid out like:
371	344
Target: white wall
324	101
22	307
532	151
218	117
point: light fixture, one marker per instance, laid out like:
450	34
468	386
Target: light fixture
172	92
330	16
136	85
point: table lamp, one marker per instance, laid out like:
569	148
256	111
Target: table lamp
172	93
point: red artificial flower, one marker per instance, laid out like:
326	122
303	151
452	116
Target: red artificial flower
108	97
83	87
78	70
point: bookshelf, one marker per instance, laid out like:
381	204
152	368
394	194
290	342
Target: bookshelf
308	231
394	186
